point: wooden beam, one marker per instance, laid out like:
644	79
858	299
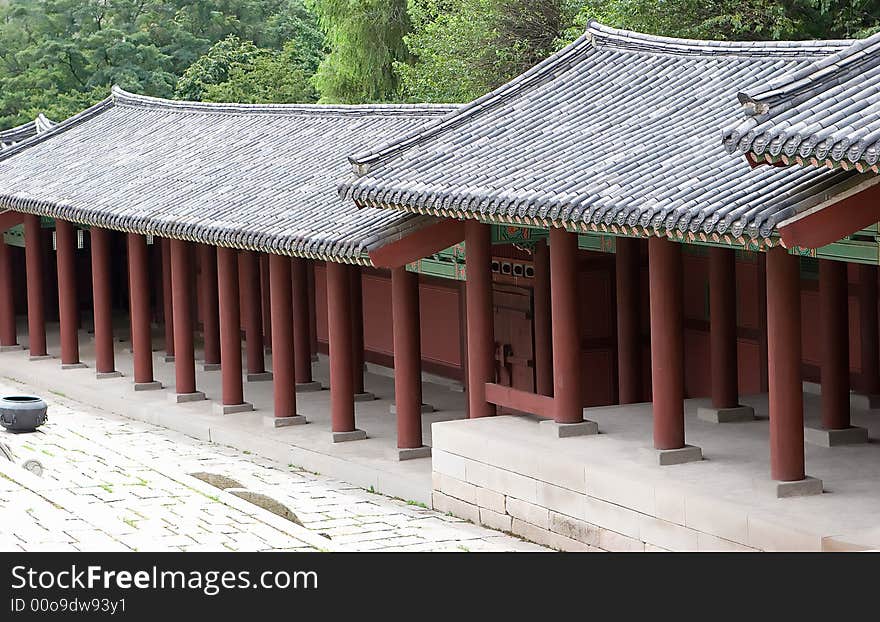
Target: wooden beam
422	243
516	399
841	212
9	219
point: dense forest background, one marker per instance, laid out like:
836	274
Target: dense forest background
60	56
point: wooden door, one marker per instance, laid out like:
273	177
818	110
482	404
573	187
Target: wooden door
514	339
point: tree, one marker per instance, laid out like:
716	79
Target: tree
270	77
366	40
464	48
59	56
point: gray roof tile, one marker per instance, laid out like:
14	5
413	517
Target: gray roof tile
258	177
618	129
826	113
23	132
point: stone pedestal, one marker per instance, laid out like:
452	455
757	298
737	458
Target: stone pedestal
14	348
832	438
260	377
104	375
726	415
567	430
799	488
211	367
412	453
308	387
668	457
182	398
283	422
366	396
344	437
147	386
231	409
73	365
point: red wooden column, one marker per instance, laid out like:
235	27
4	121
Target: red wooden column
283	342
834	337
357	335
8	337
33	248
301	333
869	337
139	299
184	351
628	277
210	306
667	352
68	311
265	304
784	378
407	364
542	315
723	343
339	325
568	400
230	333
167	305
480	317
102	303
313	311
249	282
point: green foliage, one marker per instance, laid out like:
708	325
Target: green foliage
60	56
270	77
366	40
464	48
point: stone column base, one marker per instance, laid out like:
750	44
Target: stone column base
231	409
412	453
211	367
308	387
73	365
182	398
283	422
668	457
832	438
314	358
13	348
426	408
40	357
366	396
262	376
566	430
155	385
103	375
726	415
799	488
353	435
864	401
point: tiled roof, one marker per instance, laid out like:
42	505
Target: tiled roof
258	177
23	132
618	131
827	113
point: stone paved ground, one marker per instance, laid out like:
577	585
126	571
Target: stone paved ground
113	484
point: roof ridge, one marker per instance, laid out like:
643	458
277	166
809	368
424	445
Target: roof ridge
855	58
47	128
638	41
536	75
125	98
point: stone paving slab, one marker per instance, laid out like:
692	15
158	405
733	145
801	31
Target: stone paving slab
114	484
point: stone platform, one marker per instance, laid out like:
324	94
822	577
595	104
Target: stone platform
607	491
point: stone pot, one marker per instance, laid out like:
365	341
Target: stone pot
22	413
